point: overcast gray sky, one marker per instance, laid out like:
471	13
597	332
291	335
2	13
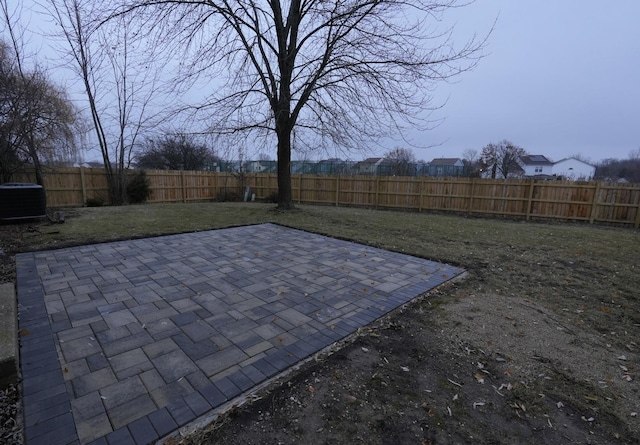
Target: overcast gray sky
560	77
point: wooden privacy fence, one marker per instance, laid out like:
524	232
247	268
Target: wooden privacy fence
593	202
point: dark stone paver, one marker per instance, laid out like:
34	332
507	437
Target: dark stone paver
123	343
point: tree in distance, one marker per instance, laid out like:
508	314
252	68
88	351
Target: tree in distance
307	74
174	152
501	158
402	161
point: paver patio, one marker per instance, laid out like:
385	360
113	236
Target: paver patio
125	342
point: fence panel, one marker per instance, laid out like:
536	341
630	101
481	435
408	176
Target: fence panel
594	202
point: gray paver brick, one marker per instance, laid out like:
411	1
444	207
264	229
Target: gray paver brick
122	392
120	436
174	365
93	428
152	379
199	330
128	359
165	394
93	381
197	403
119	318
189	321
221	360
159	348
79	348
180	412
87	406
162	422
125	344
142	431
133	410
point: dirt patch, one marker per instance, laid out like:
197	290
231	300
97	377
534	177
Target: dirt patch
492	370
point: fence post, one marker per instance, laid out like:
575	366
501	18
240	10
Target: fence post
637	223
594	203
530	200
182	186
377	190
337	190
299	188
472	194
83	187
421	189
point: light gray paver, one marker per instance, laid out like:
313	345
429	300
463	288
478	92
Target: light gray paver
152	333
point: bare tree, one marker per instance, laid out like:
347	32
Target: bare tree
178	151
310	73
501	158
36	117
472	162
119	87
402	161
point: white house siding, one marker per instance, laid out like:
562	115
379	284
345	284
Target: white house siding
574	169
537	169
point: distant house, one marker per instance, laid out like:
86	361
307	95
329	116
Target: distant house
90	164
254	167
371	166
445	167
574	169
536	166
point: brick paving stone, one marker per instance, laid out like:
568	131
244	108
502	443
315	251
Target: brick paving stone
221	360
227	387
122	392
199	330
174	365
241	381
134	370
183	318
93	428
162	422
126	343
194	350
97	361
165	394
93	381
87	406
135	357
133	410
152	379
142	431
159	348
51	410
153	333
180	412
121	436
198	403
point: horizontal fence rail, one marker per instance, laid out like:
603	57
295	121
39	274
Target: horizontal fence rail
591	202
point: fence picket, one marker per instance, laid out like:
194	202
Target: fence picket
593	202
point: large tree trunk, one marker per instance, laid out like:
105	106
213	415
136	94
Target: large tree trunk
285	195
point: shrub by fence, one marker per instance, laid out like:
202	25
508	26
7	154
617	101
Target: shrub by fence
592	202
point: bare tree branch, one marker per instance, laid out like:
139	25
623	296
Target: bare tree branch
334	72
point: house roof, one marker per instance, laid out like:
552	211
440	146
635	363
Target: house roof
575	159
445	161
535	160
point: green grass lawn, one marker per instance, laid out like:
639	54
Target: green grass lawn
564	265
